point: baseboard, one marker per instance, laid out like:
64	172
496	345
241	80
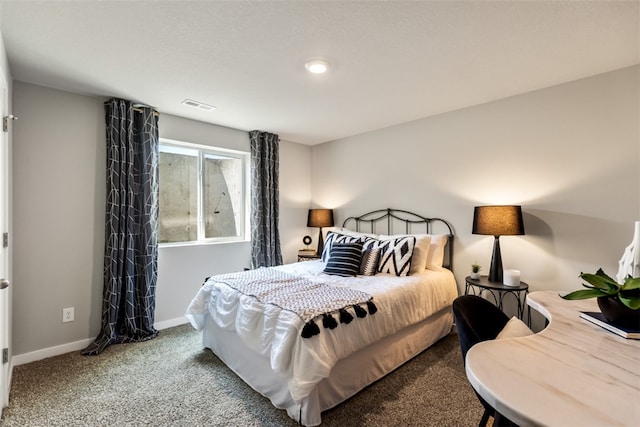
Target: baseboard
21	359
165	324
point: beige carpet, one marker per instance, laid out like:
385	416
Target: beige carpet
173	381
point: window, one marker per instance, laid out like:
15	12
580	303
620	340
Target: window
203	193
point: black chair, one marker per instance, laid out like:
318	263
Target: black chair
479	320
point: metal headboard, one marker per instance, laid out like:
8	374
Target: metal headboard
410	223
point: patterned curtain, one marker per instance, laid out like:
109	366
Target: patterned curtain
265	238
131	234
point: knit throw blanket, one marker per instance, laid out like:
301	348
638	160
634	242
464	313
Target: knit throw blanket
308	300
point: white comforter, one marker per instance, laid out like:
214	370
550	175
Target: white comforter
275	333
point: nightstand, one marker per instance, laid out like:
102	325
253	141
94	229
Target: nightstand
308	257
498	291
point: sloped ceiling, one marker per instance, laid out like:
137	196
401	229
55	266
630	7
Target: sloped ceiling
391	62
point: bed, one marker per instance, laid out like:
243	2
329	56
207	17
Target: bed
308	337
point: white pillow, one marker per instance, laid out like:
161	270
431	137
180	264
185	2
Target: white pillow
436	251
514	328
420	250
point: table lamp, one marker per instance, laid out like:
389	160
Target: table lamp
320	218
497	221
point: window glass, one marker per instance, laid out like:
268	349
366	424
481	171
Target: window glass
203	194
222	186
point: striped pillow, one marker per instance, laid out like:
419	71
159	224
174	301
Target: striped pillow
333	237
369	263
344	259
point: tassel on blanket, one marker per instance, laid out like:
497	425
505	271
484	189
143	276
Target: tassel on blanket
360	312
345	317
372	307
310	329
328	321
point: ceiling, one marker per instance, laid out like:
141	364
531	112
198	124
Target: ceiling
391	62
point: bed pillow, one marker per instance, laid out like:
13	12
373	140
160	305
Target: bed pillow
333	237
369	263
420	251
514	328
347	232
370	243
395	255
435	258
344	259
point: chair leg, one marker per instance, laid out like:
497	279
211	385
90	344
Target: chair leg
485	419
500	420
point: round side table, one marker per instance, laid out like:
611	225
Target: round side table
499	291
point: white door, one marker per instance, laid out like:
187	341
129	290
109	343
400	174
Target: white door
4	289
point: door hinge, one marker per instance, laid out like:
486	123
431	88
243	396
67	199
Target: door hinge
5	240
5	122
5	355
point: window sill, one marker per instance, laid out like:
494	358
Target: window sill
206	243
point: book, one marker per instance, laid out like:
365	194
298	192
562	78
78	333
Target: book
597	318
307	252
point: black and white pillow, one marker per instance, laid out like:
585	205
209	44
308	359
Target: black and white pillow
369	263
344	259
333	237
395	255
370	243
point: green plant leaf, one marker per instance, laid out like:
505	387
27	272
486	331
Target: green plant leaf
584	294
631	302
600	281
601	273
631	283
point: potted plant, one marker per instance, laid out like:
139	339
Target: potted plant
619	303
475	271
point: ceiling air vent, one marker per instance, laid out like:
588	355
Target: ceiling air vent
198	105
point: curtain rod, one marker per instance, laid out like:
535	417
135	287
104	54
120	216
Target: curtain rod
138	110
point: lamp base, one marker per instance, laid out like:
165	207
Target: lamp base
495	271
320	243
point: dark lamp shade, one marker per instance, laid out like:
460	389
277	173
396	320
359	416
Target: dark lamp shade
320	218
498	220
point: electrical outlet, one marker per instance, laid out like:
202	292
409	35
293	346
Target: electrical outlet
67	315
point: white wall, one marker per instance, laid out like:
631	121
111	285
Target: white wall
568	154
295	197
59	197
59	187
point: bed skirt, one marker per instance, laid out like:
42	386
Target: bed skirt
348	376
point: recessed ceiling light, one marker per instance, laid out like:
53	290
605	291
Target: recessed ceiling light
317	66
198	105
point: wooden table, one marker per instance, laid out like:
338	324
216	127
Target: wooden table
573	373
